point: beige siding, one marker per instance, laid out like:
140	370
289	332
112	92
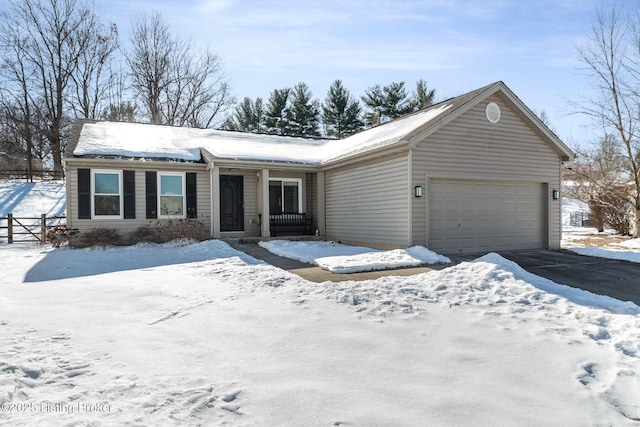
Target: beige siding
472	148
128	225
367	203
251	221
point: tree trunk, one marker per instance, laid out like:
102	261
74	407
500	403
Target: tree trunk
597	215
56	153
635	230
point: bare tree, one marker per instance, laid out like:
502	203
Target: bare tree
598	179
119	101
612	60
176	86
15	100
52	36
94	77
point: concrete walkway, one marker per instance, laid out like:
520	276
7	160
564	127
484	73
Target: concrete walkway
316	274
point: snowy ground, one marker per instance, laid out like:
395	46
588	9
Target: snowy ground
202	335
588	241
205	335
632	255
30	200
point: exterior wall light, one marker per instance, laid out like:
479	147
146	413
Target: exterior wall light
418	190
555	194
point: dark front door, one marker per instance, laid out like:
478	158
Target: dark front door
231	203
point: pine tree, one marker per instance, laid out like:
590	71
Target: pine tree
422	96
278	115
304	112
386	103
247	117
341	112
374	99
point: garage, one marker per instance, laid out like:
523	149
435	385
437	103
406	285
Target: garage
473	216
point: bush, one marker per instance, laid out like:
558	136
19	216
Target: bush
146	234
58	235
100	236
612	209
164	231
192	229
617	213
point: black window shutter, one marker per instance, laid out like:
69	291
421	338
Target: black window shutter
192	199
129	187
151	185
84	193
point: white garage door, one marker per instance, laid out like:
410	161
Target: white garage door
473	216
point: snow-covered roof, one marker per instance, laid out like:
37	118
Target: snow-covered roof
135	140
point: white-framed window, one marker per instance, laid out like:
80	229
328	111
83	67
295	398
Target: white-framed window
106	194
171	195
285	195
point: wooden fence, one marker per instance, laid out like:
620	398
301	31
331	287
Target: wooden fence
35	173
14	229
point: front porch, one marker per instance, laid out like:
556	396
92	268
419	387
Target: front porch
247	202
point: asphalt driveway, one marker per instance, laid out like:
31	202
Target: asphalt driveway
615	278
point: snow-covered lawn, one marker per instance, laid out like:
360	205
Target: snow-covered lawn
30	199
588	241
626	255
205	335
339	258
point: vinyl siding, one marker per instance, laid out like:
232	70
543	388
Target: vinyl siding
125	226
251	221
367	203
472	148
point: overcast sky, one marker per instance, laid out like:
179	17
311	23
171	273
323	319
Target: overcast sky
455	45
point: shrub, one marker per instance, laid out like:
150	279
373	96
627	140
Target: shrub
58	235
612	209
100	236
192	229
164	231
617	212
146	234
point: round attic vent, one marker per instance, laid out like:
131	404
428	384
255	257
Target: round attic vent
493	112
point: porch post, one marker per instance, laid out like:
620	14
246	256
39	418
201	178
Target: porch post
264	185
215	202
321	204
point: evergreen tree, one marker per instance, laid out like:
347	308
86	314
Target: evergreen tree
278	115
374	100
386	103
247	117
422	96
304	112
124	112
341	112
